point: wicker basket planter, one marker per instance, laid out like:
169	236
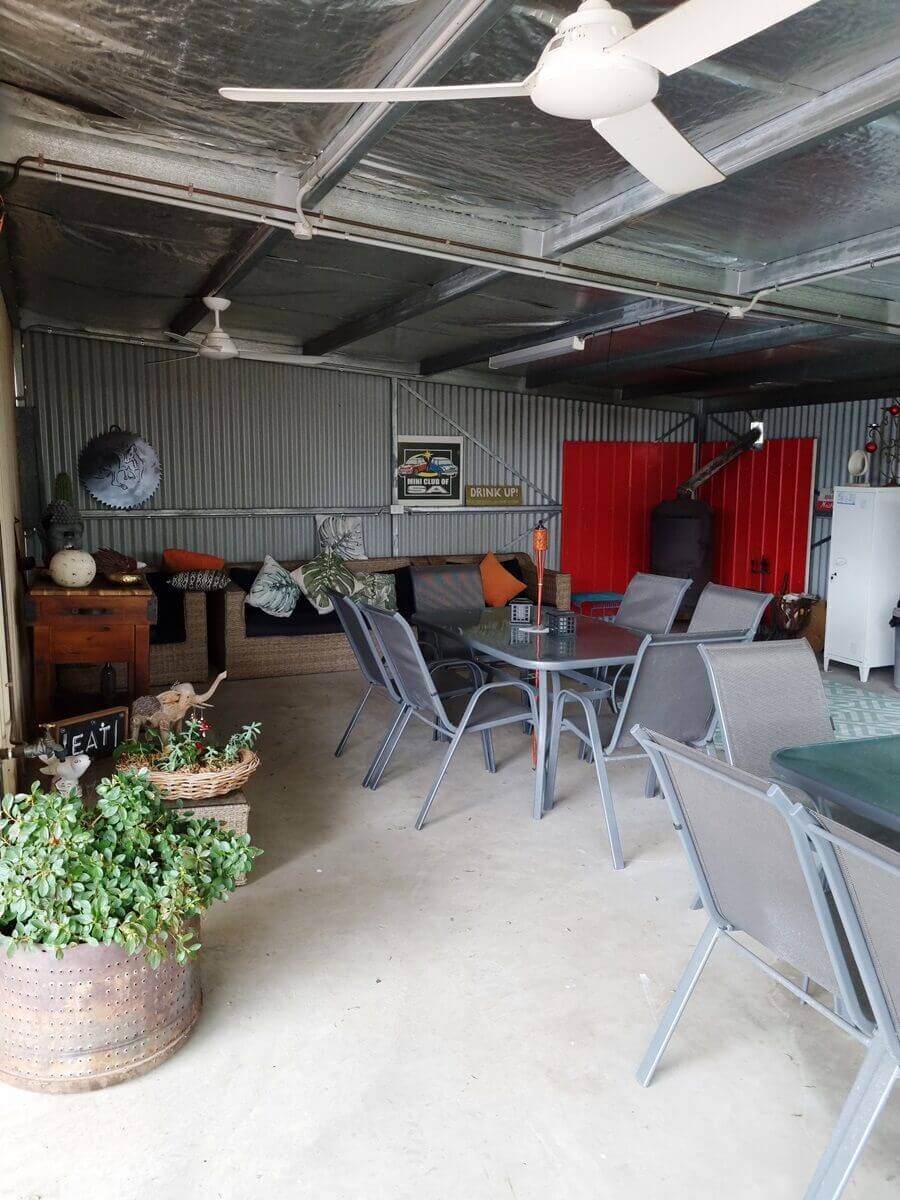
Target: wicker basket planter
204	785
94	1018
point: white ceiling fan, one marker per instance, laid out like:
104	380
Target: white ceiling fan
214	344
597	68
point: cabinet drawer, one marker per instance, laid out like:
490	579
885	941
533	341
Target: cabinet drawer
46	610
92	642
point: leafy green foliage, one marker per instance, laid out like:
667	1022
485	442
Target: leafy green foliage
131	871
187	750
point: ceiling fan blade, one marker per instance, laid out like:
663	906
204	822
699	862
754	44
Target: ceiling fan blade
155	362
179	337
408	95
698	29
650	142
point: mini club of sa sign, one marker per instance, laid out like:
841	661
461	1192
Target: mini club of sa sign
429	470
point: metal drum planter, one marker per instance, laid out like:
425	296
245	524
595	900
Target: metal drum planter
94	1018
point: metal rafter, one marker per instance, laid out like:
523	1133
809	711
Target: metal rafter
598	320
458	26
853	103
698	352
423	300
856	254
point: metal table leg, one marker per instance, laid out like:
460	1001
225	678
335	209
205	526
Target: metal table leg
540	774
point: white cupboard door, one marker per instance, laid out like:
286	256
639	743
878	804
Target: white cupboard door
848	575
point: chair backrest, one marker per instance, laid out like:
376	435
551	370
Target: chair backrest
397	642
651	602
452	585
768	695
359	636
741	845
669	690
729	608
864	877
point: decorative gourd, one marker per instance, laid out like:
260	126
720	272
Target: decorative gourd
72	568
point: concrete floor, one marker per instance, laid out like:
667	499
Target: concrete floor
455	1013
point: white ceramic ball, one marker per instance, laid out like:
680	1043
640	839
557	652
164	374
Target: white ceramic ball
72	568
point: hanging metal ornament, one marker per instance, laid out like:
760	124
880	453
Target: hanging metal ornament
119	469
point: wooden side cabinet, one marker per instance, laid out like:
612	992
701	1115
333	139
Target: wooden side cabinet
94	625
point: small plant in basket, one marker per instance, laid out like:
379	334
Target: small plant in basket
189	767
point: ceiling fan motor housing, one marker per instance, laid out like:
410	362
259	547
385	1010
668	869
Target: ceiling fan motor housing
580	77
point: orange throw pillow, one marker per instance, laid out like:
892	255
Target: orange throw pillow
499	585
187	560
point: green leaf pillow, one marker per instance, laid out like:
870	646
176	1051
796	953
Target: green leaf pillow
274	590
327	570
378	589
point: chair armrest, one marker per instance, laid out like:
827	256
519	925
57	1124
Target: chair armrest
440	664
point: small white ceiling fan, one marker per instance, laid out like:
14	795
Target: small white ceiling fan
597	68
214	344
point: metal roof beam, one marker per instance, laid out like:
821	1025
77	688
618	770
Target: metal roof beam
876	388
856	102
693	352
842	258
640	312
423	300
457	27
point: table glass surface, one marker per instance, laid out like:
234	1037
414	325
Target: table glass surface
862	774
491	631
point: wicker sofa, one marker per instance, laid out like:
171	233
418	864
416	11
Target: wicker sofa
259	657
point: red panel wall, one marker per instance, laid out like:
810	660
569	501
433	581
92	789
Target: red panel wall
762	503
609	491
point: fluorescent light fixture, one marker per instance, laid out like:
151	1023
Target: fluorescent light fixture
567	345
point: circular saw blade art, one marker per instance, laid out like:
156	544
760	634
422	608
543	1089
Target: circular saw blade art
119	469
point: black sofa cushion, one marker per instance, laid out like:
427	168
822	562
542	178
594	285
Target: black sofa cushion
169	629
303	621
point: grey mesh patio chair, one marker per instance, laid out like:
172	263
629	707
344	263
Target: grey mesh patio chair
721	607
445	588
746	855
485	709
651	602
864	878
768	695
650	605
668	689
375	673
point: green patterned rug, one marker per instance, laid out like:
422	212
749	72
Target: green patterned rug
858	713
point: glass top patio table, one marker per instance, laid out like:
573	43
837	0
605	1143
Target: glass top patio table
861	775
490	631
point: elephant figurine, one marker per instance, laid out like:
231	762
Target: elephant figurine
166	711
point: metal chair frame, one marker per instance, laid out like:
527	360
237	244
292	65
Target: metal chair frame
880	1070
856	1023
437	719
591	741
376	673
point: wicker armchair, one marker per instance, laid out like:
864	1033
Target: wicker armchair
263	657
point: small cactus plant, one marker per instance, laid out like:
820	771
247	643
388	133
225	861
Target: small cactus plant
61	510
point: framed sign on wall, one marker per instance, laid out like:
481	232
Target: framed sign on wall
429	470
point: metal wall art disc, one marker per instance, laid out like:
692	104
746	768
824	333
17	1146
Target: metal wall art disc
119	469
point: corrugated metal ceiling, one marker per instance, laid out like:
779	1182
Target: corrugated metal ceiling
149	72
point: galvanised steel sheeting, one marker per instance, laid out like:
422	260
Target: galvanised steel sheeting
237	434
527	431
840	429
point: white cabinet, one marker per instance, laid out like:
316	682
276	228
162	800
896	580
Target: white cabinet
863	577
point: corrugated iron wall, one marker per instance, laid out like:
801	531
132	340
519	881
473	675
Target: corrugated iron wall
247	435
839	429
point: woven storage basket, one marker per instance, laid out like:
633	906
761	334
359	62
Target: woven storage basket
203	785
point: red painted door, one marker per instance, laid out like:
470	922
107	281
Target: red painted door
763	506
609	491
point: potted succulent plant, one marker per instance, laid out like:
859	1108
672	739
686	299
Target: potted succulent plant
99	916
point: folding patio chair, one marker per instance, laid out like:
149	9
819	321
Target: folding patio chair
650	605
378	677
481	711
755	877
768	695
864	878
668	689
720	607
